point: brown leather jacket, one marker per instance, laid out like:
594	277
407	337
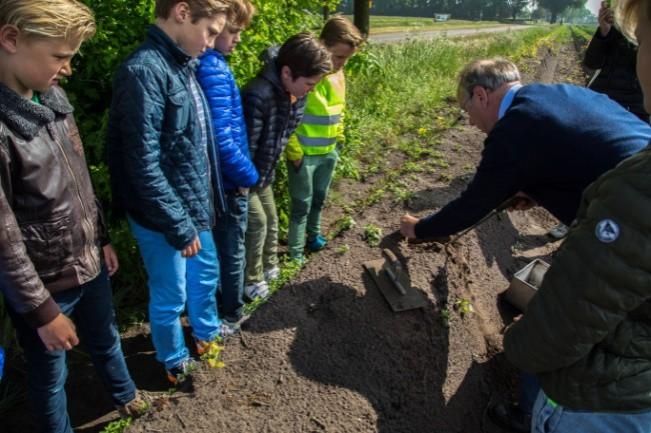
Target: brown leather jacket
50	224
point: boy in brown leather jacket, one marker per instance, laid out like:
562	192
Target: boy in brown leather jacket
55	258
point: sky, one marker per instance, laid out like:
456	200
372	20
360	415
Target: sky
593	5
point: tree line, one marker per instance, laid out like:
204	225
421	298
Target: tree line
472	9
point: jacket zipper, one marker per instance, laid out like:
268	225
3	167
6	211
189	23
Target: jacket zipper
84	220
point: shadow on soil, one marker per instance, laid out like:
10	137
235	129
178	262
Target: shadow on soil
397	362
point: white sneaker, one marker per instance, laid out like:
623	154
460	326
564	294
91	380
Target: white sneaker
272	274
257	290
560	231
229	328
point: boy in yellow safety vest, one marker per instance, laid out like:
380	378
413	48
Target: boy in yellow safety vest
312	149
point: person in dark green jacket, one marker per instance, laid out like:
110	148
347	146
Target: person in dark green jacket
586	334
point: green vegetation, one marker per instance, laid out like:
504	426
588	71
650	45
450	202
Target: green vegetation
372	235
464	307
384	24
117	426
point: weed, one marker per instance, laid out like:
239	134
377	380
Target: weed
212	356
445	177
372	235
463	306
117	426
375	197
445	317
343	224
342	249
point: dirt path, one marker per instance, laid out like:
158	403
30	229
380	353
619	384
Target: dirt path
326	354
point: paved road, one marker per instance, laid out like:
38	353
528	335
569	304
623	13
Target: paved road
430	34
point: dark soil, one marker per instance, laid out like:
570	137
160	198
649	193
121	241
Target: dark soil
326	354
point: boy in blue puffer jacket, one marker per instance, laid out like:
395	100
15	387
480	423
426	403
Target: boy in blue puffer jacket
238	171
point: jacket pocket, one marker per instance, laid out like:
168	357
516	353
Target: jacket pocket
49	244
177	112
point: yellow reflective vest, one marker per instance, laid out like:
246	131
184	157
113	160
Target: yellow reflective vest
323	122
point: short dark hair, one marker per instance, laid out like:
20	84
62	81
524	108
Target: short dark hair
305	56
198	8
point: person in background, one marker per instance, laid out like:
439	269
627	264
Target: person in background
312	149
238	171
165	175
613	58
274	102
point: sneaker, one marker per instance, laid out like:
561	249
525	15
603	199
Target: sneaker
136	407
316	244
272	274
560	231
257	290
510	416
229	328
180	374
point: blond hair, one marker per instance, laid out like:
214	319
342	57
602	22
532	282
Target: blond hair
241	13
340	30
58	19
198	8
627	13
490	74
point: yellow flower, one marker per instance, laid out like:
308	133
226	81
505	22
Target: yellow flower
422	131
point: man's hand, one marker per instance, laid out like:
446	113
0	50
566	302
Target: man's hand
522	201
192	249
408	226
111	259
59	334
606	19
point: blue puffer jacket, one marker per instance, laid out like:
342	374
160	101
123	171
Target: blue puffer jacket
223	96
161	174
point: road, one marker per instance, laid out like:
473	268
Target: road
431	34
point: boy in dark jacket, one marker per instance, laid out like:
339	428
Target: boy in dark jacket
55	256
273	106
165	174
239	173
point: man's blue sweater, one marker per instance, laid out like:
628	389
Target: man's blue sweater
551	144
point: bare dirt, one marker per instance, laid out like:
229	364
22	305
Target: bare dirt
326	354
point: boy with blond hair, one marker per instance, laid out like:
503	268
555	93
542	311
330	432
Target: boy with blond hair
220	88
312	149
165	174
273	106
55	256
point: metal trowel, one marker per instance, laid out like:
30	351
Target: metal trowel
393	281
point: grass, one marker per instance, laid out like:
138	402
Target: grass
386	24
402	98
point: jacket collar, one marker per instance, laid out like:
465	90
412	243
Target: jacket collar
270	71
25	118
167	45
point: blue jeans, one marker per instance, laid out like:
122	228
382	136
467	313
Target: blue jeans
91	308
173	281
529	389
229	237
549	419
